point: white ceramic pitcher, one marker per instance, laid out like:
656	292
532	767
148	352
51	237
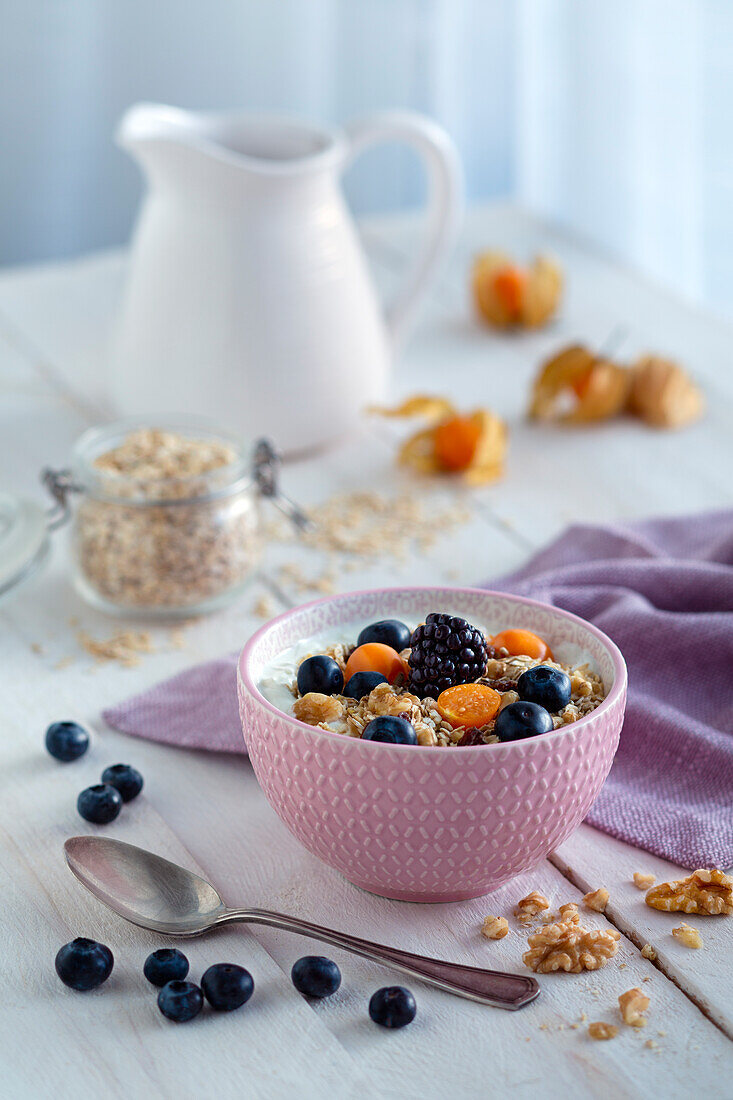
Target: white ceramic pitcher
249	298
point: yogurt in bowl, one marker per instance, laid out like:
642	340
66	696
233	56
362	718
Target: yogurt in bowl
419	822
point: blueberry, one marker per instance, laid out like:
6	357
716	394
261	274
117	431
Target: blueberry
548	687
84	964
66	741
227	986
99	804
361	683
316	976
125	779
520	720
320	674
168	964
395	731
392	1006
180	1001
387	631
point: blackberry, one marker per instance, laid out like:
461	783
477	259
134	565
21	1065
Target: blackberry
446	651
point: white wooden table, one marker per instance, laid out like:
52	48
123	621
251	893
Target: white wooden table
207	810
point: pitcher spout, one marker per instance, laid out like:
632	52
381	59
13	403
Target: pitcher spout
237	144
162	138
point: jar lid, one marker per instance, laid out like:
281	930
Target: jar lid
24	540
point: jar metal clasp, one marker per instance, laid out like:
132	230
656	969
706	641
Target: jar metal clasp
60	485
266	469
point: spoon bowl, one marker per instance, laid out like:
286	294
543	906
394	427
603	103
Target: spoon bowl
145	889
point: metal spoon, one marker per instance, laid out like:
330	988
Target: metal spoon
154	893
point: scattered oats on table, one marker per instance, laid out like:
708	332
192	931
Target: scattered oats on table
263	607
124	647
369	526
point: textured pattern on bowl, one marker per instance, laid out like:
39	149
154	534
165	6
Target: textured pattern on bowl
429	824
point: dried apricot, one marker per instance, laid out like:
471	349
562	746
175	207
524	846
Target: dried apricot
524	642
509	285
374	657
456	440
470	705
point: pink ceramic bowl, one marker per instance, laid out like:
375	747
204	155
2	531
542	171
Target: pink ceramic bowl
430	824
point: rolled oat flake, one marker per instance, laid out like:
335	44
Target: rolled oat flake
165	519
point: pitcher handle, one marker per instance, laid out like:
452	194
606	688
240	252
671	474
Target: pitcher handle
444	200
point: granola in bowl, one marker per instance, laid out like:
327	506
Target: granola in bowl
441	683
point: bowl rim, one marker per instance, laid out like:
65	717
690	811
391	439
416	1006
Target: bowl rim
617	691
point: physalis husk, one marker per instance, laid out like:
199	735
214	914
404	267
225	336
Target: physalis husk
508	295
472	445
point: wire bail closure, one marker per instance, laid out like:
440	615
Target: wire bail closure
266	470
59	484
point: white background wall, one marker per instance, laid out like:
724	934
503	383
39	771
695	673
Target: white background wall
625	118
69	69
615	118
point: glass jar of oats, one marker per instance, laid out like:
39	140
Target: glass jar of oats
167	517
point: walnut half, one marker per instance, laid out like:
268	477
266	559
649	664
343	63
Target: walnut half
570	947
706	893
315	708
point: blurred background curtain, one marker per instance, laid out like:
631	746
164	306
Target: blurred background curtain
611	118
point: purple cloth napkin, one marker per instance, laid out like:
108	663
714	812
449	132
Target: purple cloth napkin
663	590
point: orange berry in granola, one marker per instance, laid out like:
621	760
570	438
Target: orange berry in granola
375	657
509	288
455	442
524	643
470	705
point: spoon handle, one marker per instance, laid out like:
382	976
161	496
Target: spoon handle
489	987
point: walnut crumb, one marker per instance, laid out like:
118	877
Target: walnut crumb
704	892
495	928
648	952
643	881
690	937
597	899
651	1044
570	947
631	1005
530	906
602	1030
